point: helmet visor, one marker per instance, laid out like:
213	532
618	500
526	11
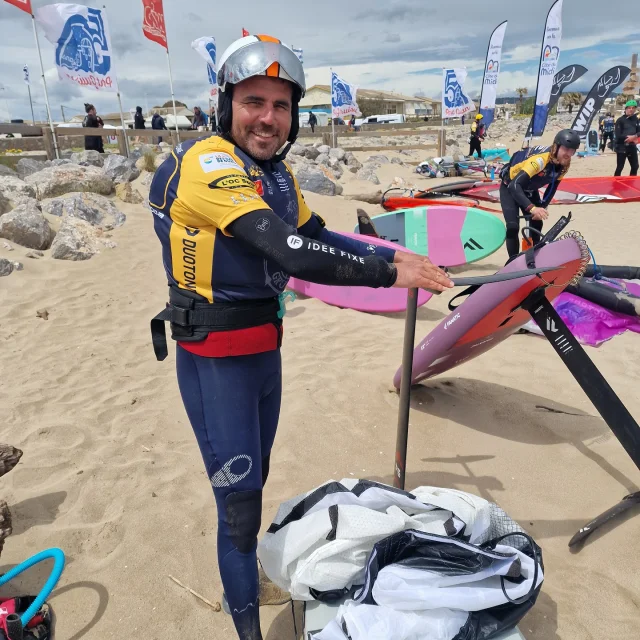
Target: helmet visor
255	58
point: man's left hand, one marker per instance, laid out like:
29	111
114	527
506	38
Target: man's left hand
404	256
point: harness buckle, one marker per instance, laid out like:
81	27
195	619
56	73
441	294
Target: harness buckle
179	316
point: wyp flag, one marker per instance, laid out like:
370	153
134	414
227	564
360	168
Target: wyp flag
549	56
25	5
343	97
455	102
83	46
206	47
606	85
562	79
491	71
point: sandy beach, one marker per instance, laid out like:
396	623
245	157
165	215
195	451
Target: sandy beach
111	472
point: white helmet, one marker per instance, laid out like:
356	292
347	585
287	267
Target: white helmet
258	55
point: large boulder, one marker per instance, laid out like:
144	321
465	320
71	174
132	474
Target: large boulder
120	169
312	179
88	159
324	148
69	178
368	172
76	240
29	166
15	190
127	193
297	150
95	209
7	171
323	158
5	204
162	157
311	153
352	162
337	153
26	226
60	162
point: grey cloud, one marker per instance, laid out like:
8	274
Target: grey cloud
411	32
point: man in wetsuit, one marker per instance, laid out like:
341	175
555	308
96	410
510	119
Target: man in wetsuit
607	126
526	173
627	134
234	226
478	131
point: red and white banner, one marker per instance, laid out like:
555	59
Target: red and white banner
153	22
245	33
25	5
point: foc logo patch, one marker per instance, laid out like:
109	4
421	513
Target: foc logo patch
232	182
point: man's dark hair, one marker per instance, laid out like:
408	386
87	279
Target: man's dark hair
88	107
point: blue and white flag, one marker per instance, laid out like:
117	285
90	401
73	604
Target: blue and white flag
206	47
343	97
455	102
549	57
298	52
491	71
27	79
83	46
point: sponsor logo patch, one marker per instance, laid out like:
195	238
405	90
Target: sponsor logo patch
259	187
216	161
232	182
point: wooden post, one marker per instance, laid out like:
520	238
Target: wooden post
122	142
442	143
47	139
175	138
327	139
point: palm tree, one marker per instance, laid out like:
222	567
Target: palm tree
522	91
571	99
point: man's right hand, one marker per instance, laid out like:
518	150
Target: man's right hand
538	213
421	275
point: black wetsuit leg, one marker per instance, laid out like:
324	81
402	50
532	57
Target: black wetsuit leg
475	145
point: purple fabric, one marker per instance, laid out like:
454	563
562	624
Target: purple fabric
590	323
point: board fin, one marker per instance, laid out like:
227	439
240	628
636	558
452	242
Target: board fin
365	224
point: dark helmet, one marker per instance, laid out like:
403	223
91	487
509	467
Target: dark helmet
567	138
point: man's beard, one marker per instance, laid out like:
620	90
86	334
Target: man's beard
262	148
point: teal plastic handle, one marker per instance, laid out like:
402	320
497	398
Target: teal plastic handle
282	299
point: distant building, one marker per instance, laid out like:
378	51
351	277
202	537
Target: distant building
318	98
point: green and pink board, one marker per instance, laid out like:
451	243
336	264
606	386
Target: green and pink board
451	236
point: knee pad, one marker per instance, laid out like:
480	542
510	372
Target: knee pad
244	514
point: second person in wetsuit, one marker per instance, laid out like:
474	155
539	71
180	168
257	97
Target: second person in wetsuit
478	131
627	133
528	171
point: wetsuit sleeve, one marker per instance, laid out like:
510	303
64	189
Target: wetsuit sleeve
309	259
315	229
215	189
517	188
312	225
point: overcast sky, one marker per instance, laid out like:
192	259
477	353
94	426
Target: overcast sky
377	44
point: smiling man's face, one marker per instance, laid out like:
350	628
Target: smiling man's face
261	115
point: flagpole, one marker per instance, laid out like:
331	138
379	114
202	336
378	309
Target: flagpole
126	138
333	124
33	118
442	146
173	99
44	84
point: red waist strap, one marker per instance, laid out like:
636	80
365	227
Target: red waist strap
238	342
